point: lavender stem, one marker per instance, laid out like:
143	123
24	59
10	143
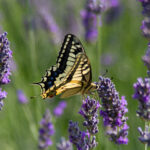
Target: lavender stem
146	124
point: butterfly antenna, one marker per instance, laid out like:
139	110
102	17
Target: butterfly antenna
38	83
36	96
33	97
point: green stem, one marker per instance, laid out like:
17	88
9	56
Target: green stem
32	126
98	50
145	146
145	130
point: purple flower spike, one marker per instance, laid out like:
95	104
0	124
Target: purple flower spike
113	10
113	112
80	138
142	94
146	59
146	22
89	112
144	135
21	97
59	109
5	55
64	145
89	17
46	131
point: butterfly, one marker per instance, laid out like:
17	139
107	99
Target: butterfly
72	73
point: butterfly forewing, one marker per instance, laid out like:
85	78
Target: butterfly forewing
69	50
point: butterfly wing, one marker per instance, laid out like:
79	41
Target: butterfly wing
69	89
79	77
55	77
71	47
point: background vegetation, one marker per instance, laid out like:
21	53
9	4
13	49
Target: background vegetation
34	51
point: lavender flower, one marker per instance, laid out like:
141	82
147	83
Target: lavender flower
51	25
142	94
64	145
22	97
113	10
146	30
89	17
146	59
48	21
89	112
113	111
146	22
80	138
46	131
144	135
59	109
5	55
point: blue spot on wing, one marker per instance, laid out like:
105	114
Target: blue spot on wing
55	74
49	83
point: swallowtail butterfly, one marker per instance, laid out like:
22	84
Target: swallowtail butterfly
72	73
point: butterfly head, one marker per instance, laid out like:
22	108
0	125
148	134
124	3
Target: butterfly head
49	93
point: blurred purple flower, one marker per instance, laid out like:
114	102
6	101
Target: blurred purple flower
108	59
64	145
71	22
146	59
89	18
80	138
59	109
22	97
89	110
113	111
146	22
46	131
5	55
113	10
48	21
146	31
142	94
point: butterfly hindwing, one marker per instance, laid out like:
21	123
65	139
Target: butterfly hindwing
79	77
49	78
69	89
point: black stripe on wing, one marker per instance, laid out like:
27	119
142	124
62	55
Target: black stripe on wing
70	48
49	78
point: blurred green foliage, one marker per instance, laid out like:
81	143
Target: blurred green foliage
34	52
